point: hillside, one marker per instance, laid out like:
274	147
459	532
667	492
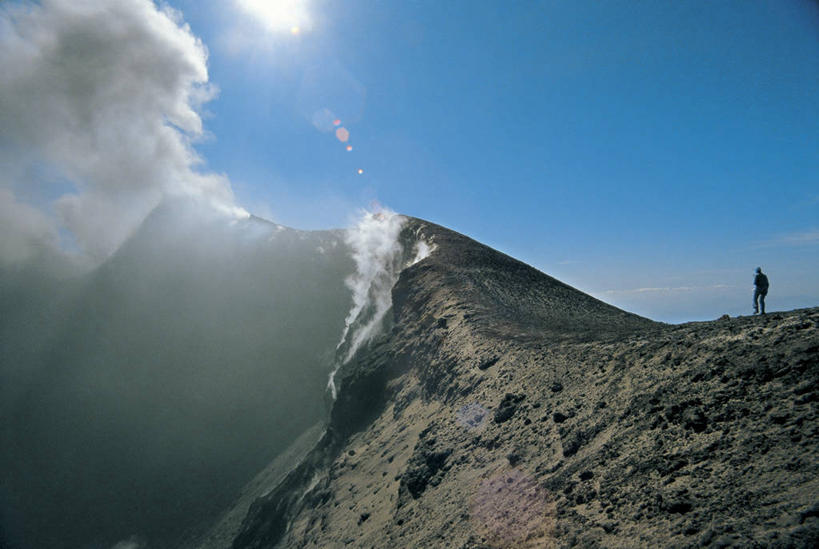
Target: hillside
503	408
140	397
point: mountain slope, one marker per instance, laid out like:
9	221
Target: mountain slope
506	409
502	293
140	397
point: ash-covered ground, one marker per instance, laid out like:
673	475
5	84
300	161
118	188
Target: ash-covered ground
503	408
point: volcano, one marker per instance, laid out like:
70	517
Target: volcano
177	396
503	408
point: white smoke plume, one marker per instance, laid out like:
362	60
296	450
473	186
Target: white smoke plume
24	231
378	254
106	94
422	250
379	260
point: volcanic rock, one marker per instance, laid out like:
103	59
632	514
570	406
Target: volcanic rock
707	435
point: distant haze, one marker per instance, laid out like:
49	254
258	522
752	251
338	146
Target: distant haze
139	398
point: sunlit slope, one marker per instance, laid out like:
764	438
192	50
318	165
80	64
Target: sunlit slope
160	383
506	409
449	311
505	294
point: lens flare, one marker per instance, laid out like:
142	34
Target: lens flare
510	509
322	119
342	134
349	147
471	416
360	171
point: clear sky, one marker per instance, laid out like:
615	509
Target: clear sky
668	147
649	153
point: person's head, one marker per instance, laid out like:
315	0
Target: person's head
759	269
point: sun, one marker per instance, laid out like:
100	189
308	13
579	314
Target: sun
287	16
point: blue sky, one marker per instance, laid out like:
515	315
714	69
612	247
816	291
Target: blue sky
649	153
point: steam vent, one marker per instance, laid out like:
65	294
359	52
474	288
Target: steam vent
499	407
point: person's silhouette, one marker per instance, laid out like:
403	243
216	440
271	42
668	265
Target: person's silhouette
760	291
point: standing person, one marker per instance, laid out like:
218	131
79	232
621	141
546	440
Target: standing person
760	290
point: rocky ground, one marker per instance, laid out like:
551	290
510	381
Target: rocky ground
505	409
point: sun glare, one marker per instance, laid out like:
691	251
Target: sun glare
279	15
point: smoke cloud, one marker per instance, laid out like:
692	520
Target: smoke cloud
422	250
378	254
379	259
108	96
23	230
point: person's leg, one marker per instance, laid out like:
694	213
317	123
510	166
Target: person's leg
756	301
762	302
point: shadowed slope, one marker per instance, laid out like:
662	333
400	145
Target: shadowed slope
165	379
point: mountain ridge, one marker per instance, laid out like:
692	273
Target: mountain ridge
201	348
605	427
